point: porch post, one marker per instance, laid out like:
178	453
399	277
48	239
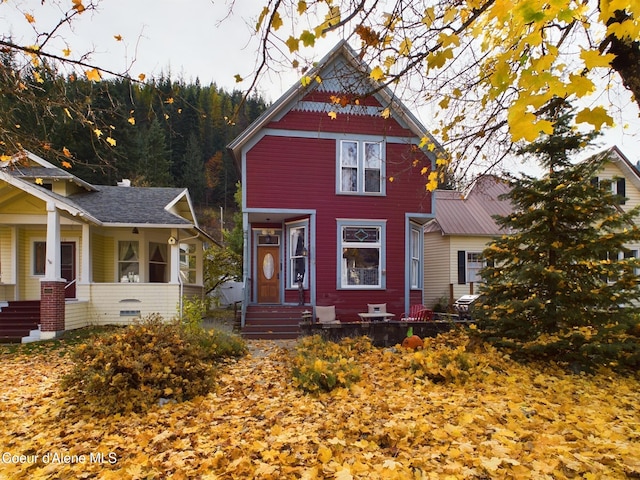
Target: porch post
87	268
174	253
52	304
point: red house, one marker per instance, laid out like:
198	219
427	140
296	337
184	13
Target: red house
333	200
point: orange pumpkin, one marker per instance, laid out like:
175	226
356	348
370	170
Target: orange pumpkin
413	342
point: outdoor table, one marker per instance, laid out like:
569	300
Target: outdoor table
366	316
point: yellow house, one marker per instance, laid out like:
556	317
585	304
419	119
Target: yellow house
455	238
74	254
463	227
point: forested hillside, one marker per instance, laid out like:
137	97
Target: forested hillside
162	132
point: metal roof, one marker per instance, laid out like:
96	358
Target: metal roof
471	214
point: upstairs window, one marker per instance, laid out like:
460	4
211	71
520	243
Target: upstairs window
361	167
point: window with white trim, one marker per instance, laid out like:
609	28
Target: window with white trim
128	261
362	259
298	255
416	258
475	263
188	262
361	166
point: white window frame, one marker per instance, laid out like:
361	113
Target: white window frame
475	263
294	230
343	276
415	247
355	156
188	251
131	275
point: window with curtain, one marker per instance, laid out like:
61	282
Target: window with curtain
298	255
158	262
361	166
128	261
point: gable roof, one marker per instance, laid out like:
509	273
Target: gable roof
342	55
471	214
615	155
104	205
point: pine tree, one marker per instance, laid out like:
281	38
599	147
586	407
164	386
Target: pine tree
561	283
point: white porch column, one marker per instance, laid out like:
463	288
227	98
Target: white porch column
174	252
87	268
52	263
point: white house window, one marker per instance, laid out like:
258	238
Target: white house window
188	262
416	258
298	255
361	166
361	262
474	264
128	261
158	262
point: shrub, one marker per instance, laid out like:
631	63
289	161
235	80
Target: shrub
320	365
445	359
133	369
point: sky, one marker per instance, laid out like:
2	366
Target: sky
205	39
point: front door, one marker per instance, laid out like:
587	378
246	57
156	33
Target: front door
68	267
268	274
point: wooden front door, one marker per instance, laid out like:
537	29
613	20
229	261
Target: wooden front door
268	274
68	267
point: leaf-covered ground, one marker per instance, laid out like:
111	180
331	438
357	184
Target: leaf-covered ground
509	421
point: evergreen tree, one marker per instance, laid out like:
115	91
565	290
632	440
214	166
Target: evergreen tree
193	176
561	282
152	164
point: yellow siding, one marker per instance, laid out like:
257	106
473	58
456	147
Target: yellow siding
436	268
103	258
112	301
6	259
441	265
76	315
611	171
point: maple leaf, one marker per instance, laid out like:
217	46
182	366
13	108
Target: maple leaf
597	117
97	132
39	181
66	165
141	77
293	43
66	152
66	52
276	21
111	141
78	6
29	18
93	75
118	38
131	120
332	115
238	78
377	74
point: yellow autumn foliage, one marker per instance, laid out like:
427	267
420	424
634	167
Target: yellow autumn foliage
506	420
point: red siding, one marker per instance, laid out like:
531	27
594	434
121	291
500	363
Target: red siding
300	173
343	123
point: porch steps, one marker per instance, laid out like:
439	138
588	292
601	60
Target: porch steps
273	322
18	319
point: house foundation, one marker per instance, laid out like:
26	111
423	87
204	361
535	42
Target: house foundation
52	309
